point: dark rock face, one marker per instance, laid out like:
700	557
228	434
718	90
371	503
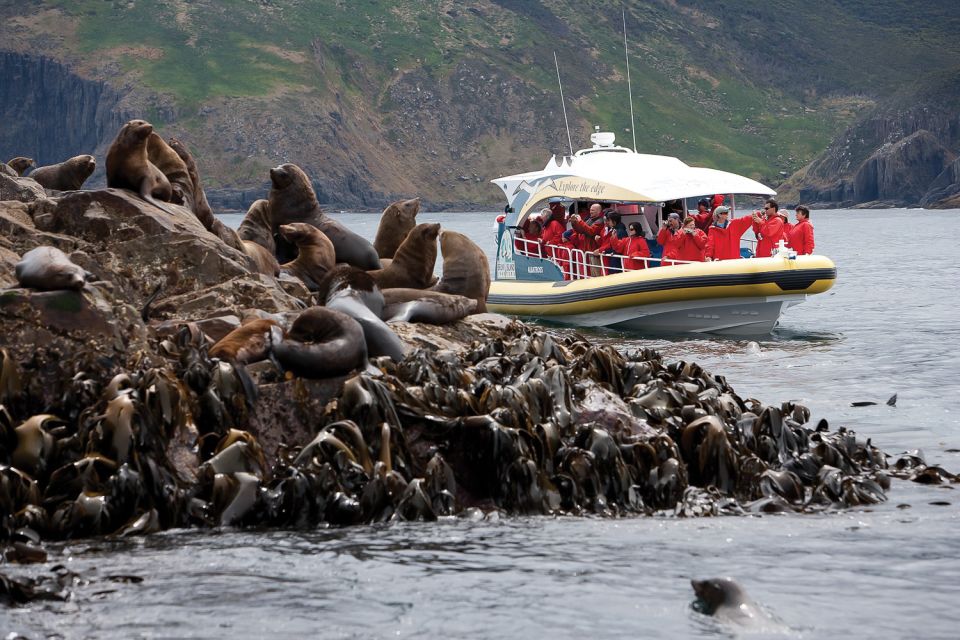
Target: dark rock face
899	155
39	96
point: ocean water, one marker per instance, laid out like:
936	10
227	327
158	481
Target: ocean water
889	325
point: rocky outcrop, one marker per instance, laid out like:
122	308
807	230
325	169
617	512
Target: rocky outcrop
900	154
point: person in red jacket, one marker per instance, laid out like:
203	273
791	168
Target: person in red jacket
769	228
667	236
703	216
634	247
800	235
528	237
723	239
691	242
586	237
556	246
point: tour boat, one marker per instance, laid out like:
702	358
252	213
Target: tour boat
568	286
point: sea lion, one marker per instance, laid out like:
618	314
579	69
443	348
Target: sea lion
257	226
466	271
355	293
315	253
20	164
170	164
725	599
68	175
262	259
49	269
322	343
412	265
128	166
396	221
418	305
292	199
250	342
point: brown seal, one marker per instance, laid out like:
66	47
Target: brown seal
129	168
257	226
264	261
432	307
396	221
50	269
196	200
322	343
315	253
466	271
250	342
292	199
65	176
20	164
412	265
163	157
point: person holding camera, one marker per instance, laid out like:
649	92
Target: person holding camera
689	244
769	228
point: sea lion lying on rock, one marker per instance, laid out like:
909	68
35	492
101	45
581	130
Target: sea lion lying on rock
68	175
128	166
20	164
418	305
322	343
50	269
315	253
396	221
292	199
250	342
466	271
354	292
412	265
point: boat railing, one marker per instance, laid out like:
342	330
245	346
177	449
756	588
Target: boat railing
577	264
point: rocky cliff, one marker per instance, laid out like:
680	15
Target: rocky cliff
903	153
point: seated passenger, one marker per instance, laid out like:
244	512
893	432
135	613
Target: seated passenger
690	243
528	238
634	247
768	228
800	235
723	239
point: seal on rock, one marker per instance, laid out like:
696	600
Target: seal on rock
171	165
262	259
315	253
466	271
396	221
20	164
355	293
412	265
432	307
49	269
128	166
257	226
322	343
292	199
68	175
250	342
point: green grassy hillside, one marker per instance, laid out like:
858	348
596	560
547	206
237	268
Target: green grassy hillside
756	86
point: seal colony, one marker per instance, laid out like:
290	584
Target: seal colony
133	398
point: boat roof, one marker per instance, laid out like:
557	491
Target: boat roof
613	173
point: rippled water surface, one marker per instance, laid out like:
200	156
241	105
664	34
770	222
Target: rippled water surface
890	325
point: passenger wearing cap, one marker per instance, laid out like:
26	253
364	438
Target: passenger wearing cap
703	216
768	228
528	238
723	239
667	236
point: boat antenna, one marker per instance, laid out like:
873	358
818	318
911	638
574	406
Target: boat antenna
633	124
562	104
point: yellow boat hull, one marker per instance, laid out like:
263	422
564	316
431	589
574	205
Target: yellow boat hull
738	297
